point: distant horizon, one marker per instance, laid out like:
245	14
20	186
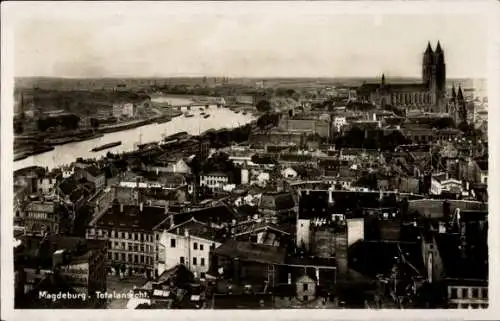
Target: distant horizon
239	77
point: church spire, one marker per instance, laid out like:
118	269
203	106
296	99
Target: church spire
460	94
453	92
383	79
438	48
429	48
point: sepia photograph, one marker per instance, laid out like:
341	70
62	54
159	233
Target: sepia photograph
262	156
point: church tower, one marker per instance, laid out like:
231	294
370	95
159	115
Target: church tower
462	110
440	69
428	66
452	105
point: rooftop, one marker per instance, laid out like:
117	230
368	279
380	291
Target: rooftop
199	229
246	251
215	214
132	217
277	201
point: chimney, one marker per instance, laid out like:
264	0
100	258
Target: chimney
186	232
172	221
141	206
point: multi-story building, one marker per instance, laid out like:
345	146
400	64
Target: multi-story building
456	259
214	180
189	243
471	294
95	176
47	183
40	217
128	229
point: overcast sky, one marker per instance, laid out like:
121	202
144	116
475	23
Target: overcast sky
161	40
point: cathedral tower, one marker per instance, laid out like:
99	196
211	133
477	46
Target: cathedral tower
428	66
440	69
462	109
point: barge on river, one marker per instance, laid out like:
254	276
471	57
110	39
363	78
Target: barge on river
106	146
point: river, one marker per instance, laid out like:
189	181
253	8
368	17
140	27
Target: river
66	154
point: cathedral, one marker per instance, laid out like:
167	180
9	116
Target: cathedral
430	94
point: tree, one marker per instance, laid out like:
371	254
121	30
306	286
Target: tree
263	106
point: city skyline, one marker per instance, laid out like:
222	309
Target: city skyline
229	42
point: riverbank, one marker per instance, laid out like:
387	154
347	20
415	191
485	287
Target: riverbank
131	138
35	144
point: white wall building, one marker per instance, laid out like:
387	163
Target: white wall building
188	243
214	180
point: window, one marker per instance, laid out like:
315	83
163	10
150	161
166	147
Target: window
485	293
142	248
201	247
182	260
136	258
465	292
172	242
130	258
194	261
454	293
109	255
195	246
305	286
123	256
202	275
475	293
116	256
306	298
142	258
202	261
157	237
130	247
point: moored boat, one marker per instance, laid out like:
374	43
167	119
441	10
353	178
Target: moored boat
106	146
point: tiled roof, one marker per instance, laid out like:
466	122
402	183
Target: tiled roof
132	217
200	229
246	251
216	214
277	201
